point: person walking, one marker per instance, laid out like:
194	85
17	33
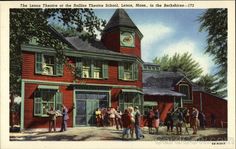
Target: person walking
138	131
131	111
202	119
52	119
195	120
169	121
179	123
65	117
126	122
150	117
156	120
186	122
118	118
98	117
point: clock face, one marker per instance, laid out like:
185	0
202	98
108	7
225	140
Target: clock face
127	39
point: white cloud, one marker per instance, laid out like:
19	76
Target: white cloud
153	34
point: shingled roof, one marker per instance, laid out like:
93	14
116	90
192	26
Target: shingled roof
162	79
120	19
95	46
161	83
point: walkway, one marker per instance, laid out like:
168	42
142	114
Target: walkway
110	133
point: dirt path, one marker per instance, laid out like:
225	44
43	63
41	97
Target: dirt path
110	133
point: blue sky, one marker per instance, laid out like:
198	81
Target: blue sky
167	31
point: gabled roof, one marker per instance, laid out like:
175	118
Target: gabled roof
162	79
120	19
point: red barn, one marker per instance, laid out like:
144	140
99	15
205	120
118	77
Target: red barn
169	90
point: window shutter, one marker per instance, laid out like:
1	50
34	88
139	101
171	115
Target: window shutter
105	70
58	101
59	68
121	71
79	67
135	71
37	104
38	63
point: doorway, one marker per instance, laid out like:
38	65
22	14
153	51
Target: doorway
85	111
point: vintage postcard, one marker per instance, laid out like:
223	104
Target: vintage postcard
117	74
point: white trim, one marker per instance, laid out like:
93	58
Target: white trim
72	83
48	87
188	91
132	91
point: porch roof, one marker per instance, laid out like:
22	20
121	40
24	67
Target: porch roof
161	92
131	91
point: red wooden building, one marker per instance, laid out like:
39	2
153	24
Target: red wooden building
108	73
169	90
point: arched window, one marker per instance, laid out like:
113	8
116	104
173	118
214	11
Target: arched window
184	89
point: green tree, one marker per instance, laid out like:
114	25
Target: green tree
66	32
183	63
214	21
208	82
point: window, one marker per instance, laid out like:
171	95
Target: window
47	65
128	71
130	99
86	73
184	88
97	72
95	69
45	99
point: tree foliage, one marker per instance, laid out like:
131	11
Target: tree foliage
28	23
214	21
183	63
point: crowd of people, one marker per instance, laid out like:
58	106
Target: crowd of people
181	118
129	120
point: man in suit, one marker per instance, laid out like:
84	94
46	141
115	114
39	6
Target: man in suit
65	117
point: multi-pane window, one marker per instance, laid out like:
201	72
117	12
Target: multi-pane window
48	65
184	88
128	71
130	99
97	72
46	99
90	68
86	73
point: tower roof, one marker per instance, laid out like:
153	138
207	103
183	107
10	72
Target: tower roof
120	19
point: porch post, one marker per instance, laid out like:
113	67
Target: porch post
200	101
22	105
181	102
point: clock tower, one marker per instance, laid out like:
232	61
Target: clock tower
122	35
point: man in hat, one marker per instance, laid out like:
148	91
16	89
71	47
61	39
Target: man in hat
138	131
